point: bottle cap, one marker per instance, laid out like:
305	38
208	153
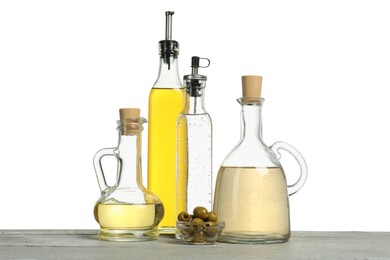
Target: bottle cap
126	113
251	86
194	82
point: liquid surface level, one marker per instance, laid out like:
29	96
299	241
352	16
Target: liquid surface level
253	202
165	106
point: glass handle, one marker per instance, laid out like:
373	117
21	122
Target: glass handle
97	164
292	189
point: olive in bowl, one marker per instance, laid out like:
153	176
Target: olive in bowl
201	228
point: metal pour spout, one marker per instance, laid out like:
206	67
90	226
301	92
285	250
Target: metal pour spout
168	25
168	47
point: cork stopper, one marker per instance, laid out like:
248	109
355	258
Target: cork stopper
126	113
129	121
251	86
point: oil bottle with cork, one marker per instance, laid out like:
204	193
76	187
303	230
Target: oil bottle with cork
251	193
127	211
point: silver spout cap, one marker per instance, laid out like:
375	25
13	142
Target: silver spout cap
194	82
195	67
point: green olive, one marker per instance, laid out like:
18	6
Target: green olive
196	225
201	212
183	216
186	232
197	220
211	230
210	225
198	237
211	233
212	216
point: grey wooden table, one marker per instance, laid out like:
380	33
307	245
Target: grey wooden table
84	244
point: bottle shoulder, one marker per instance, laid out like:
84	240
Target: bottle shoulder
251	155
175	95
196	117
168	83
167	86
195	120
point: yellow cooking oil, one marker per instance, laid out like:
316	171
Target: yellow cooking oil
122	216
128	222
165	105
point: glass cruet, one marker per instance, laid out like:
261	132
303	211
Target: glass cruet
127	211
194	145
166	101
251	193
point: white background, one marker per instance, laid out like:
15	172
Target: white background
66	67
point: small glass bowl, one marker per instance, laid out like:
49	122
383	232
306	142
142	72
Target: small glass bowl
205	233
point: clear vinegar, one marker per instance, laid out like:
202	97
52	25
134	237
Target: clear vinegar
253	202
194	180
165	105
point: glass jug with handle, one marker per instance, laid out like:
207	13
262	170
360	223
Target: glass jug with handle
251	193
127	211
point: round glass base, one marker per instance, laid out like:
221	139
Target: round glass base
242	238
128	234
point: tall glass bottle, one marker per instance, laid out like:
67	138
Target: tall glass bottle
127	211
194	145
251	193
166	101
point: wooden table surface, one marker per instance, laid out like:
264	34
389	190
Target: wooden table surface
84	244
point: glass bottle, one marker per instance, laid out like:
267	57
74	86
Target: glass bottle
127	211
251	193
194	145
166	101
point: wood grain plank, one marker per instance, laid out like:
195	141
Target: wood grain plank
83	244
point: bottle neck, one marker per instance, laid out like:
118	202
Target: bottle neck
251	123
196	104
129	158
168	75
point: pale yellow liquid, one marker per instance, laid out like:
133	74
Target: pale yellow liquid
165	106
120	216
253	202
128	222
